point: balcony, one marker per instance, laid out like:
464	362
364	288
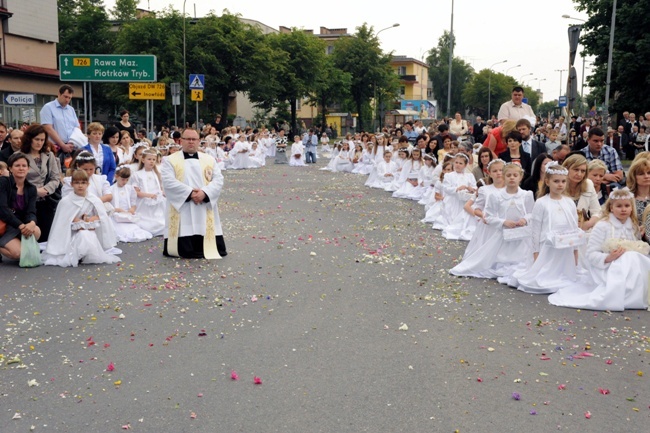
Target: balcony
408	78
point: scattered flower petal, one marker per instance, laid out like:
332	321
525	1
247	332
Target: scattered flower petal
516	396
257	380
234	375
110	367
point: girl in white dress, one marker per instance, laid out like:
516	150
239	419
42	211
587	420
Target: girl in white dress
296	159
436	205
409	174
81	230
151	201
325	145
555	266
377	154
506	209
619	262
239	154
402	157
385	172
124	216
137	156
257	156
425	178
366	163
484	232
343	161
458	187
332	162
97	183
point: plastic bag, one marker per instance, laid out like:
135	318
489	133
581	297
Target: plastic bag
30	253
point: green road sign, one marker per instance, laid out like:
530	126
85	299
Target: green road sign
107	67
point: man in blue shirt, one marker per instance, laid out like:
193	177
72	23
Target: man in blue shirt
310	142
59	119
597	149
410	133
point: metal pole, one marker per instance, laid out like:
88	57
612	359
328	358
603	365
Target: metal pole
90	101
85	109
582	87
146	122
451	56
183	81
196	121
489	116
609	59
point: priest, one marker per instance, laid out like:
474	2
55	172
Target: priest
192	182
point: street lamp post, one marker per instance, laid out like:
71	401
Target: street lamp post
374	105
560	71
525	75
451	55
513	67
184	80
609	59
489	116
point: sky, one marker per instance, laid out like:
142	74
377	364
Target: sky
529	33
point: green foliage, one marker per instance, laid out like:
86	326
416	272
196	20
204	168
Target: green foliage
333	85
462	74
369	68
630	80
162	36
298	65
83	28
475	94
125	10
234	55
545	108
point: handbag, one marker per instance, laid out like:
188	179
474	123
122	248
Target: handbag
30	253
570	237
3	227
517	233
52	199
567	239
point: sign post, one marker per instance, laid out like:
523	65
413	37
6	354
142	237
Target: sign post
197	84
147	91
176	100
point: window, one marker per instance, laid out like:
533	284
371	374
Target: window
330	49
298	104
401	70
402	91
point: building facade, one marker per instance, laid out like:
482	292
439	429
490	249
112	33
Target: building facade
29	77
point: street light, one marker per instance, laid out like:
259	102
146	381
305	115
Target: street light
525	75
560	71
489	116
539	80
609	59
568	17
183	81
451	56
389	27
374	116
513	67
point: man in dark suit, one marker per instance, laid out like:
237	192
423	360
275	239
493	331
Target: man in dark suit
443	132
477	131
530	146
15	141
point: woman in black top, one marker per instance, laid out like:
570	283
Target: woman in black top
17	206
125	125
536	178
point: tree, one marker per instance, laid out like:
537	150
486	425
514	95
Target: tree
462	73
475	93
162	36
301	59
125	10
83	27
235	57
333	85
369	68
630	81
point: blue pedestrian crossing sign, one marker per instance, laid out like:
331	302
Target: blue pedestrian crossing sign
197	81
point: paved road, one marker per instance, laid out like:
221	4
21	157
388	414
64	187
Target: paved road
338	299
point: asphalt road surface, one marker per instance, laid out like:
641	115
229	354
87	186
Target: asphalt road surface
338	299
